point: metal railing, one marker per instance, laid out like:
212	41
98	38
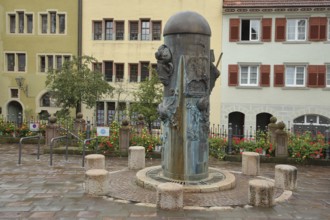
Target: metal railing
20	147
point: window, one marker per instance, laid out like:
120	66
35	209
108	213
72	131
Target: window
44	24
56	21
250	30
249	75
108	71
309	119
24	22
97	67
15	62
296	29
111	111
46	62
14	93
295	75
133	72
61	20
20	22
97	30
52	22
156	30
119	72
47	101
133	30
144	71
119	30
59	62
328	76
50	64
12	23
21	62
145	30
29	19
10	61
100	113
108	30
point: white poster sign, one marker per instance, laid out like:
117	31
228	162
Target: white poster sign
103	131
34	126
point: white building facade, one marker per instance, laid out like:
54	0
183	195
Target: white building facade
276	62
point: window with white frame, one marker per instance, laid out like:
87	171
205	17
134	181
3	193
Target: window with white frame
295	76
20	22
249	75
108	25
47	62
15	62
52	22
328	76
296	29
250	30
145	30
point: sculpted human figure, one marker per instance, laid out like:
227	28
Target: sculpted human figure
164	64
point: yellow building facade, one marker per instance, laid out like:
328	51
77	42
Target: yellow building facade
124	36
35	35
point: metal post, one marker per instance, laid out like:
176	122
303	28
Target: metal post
230	137
88	130
327	139
20	152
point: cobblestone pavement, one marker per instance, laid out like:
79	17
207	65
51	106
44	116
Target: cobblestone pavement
34	190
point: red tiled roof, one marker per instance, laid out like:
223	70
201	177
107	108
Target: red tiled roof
275	3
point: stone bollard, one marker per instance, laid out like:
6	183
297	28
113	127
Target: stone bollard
261	193
52	130
169	196
282	140
272	127
124	137
136	157
95	161
250	163
79	124
286	177
97	182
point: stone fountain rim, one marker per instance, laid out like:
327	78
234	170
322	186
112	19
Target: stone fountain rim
227	183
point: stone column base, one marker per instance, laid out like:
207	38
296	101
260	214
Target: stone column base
136	158
286	177
95	161
250	163
261	193
170	196
97	182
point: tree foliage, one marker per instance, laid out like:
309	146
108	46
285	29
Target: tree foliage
147	98
75	84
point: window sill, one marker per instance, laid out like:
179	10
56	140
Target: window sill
295	88
250	42
297	42
248	87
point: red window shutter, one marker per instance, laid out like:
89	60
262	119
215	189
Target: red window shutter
233	75
317	28
265	75
323	29
321	76
234	29
280	24
278	75
312	75
266	29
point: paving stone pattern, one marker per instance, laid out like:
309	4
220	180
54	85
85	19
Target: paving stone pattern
35	190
